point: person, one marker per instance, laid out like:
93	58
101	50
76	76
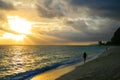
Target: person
84	56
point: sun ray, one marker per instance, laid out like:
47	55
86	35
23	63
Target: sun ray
19	25
13	36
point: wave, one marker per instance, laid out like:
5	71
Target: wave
29	74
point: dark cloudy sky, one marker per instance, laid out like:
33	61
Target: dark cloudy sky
62	21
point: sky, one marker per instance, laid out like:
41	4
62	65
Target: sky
58	22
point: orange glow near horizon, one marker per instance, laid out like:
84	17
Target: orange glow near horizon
14	37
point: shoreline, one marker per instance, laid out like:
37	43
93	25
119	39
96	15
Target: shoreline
59	71
73	55
62	70
105	67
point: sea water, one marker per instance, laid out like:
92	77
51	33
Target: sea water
23	62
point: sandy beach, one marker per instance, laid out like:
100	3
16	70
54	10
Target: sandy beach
105	67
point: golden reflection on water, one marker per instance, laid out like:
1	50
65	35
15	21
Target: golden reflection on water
18	60
23	59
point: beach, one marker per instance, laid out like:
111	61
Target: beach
24	62
105	67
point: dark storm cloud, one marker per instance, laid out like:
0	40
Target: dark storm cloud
91	32
106	8
45	12
84	37
78	25
6	5
75	14
51	8
60	8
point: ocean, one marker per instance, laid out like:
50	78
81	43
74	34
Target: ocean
24	62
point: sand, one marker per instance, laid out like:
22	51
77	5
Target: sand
56	73
105	67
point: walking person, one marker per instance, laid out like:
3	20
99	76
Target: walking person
84	56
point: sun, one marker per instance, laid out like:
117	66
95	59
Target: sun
19	25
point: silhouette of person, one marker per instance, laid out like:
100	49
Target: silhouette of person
84	56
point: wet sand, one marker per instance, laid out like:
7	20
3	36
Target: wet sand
105	67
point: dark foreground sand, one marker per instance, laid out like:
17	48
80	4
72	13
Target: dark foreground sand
105	67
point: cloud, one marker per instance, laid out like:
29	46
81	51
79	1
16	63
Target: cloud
66	20
52	8
106	8
5	5
82	8
87	30
9	31
77	25
90	20
4	24
49	13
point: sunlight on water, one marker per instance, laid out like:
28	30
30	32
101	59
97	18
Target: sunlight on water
18	59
